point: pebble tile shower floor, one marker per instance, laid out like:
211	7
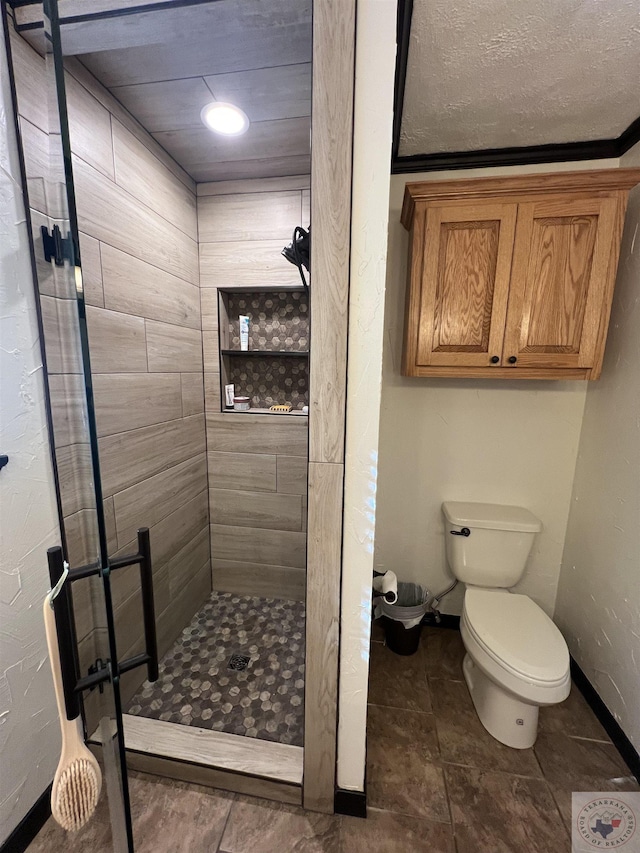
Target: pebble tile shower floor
200	685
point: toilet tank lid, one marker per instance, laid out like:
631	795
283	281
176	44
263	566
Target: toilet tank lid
491	516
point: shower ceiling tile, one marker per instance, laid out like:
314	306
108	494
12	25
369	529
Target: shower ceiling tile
202	53
197	148
266	93
164	65
167	104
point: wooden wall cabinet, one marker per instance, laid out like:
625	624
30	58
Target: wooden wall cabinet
513	277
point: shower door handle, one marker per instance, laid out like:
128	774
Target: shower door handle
143	558
101	671
148	605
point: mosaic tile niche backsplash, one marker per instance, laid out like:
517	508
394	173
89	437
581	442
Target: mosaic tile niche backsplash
279	321
271	380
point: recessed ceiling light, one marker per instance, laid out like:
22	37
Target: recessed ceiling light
225	118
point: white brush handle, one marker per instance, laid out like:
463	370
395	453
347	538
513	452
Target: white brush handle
68	728
73	745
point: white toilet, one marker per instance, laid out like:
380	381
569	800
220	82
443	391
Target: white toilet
516	659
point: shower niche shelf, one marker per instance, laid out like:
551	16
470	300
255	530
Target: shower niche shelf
275	368
261	353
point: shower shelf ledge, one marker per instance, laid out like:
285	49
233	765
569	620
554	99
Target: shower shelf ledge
256	411
259	353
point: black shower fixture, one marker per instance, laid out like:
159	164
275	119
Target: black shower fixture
298	252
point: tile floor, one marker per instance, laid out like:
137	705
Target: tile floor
437	781
196	687
430	757
172	817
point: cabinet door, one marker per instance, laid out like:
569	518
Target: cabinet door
464	284
560	283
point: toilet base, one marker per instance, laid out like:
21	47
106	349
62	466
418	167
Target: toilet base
506	718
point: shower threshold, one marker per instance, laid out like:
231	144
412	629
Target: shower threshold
215	759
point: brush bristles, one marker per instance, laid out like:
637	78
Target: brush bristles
76	795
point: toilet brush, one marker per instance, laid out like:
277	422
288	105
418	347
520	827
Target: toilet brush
77	783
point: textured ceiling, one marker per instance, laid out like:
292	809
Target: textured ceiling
502	73
165	65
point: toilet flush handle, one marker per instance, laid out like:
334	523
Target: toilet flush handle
464	532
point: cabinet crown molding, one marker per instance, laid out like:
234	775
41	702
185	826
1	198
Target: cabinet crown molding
589	182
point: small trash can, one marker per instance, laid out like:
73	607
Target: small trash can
402	620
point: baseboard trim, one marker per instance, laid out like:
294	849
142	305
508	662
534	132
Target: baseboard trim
609	723
352	803
30	825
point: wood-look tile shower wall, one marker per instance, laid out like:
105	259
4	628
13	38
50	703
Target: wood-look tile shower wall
257	463
137	218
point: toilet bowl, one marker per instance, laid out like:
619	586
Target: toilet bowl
516	661
516	658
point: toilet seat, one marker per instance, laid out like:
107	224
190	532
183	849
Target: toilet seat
517	635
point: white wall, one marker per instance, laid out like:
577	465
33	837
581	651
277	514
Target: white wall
29	737
598	605
375	64
512	442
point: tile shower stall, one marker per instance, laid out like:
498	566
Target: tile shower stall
223	493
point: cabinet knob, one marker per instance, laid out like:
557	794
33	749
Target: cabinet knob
512	359
495	359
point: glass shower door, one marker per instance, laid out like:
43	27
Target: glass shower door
85	531
90	665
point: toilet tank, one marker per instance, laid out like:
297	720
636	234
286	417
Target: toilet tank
498	540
